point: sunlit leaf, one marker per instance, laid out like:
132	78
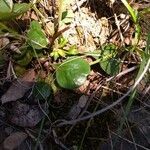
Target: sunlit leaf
36	37
55	55
72	73
62	42
9	3
61	52
21	8
4	7
67	16
72	50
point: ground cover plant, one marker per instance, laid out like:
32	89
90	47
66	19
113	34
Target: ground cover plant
74	74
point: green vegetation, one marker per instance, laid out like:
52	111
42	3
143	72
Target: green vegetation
36	40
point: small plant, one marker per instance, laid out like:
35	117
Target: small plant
46	67
72	72
109	62
36	37
61	49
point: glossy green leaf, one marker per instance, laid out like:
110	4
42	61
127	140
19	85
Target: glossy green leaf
36	37
72	73
7	13
41	90
110	66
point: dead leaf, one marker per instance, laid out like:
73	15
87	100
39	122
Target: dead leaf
19	87
4	42
82	101
77	108
74	112
14	140
34	16
25	115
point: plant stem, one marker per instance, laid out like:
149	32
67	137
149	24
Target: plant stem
38	12
131	11
95	62
60	12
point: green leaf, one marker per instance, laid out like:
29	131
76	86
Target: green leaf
36	37
132	12
61	52
9	3
26	59
23	51
72	73
21	8
41	90
4	7
67	16
62	42
145	58
7	13
110	66
108	62
19	70
108	51
72	50
4	29
55	55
